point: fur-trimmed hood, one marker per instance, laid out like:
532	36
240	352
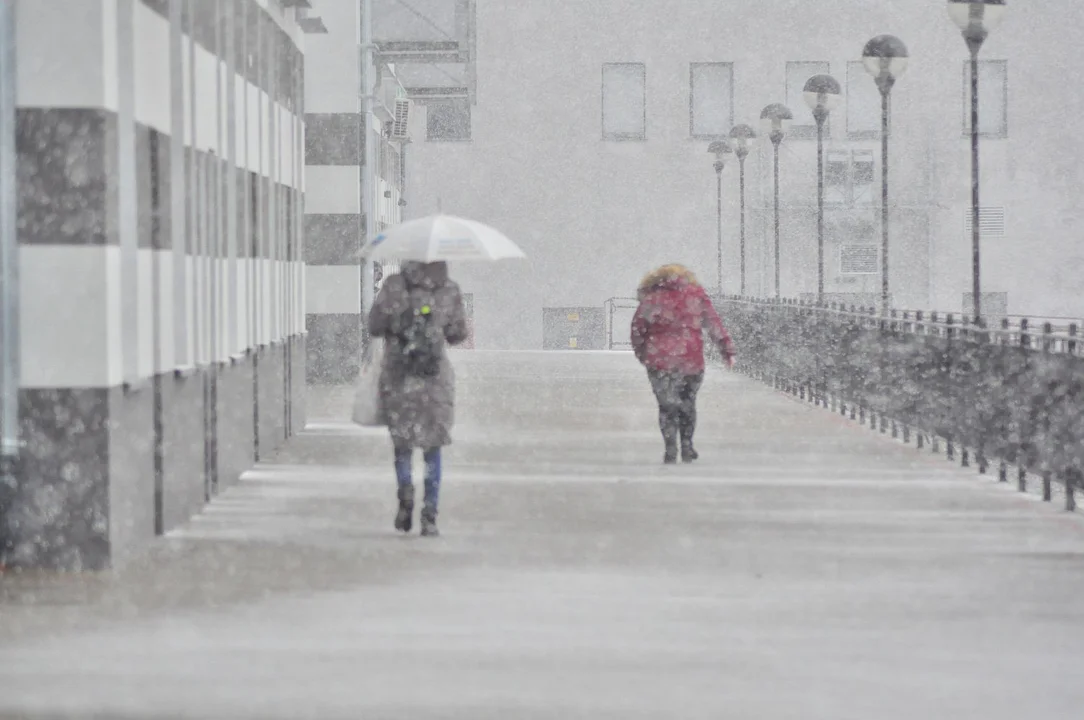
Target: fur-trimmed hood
667	276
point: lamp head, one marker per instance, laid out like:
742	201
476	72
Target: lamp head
885	58
775	119
742	138
720	149
976	18
822	94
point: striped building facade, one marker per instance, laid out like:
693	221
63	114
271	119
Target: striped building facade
160	163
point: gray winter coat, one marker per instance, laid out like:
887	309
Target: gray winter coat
420	411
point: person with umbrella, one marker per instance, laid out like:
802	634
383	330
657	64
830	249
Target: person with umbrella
667	338
419	313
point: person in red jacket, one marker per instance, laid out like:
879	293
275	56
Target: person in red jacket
668	339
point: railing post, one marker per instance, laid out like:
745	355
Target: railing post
1073	475
1003	467
1047	347
1022	473
950	334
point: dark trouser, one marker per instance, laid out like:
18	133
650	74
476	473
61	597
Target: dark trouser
676	394
404	458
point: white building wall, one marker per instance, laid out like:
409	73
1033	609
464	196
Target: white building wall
594	215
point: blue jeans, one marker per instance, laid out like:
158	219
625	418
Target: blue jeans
404	460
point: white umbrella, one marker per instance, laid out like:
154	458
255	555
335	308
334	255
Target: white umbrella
442	237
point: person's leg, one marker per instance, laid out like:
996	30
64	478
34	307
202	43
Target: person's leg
404	516
432	491
690	386
665	386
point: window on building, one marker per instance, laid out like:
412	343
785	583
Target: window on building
623	101
448	118
863	103
798	73
711	99
849	177
993	98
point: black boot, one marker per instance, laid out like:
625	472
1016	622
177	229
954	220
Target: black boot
669	425
688	452
404	518
690	385
670	456
429	522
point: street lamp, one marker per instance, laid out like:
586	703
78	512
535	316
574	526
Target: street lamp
976	20
822	94
720	149
742	137
776	119
885	58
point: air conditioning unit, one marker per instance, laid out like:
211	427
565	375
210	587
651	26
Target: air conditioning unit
400	124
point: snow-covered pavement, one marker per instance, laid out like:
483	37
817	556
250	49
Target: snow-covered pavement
806	568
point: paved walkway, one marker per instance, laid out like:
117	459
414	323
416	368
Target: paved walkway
805	569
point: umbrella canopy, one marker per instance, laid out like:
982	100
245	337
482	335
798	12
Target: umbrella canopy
441	238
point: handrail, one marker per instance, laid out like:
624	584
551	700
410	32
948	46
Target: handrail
1012	394
933	322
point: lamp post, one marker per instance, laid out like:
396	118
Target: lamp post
976	20
885	58
720	149
776	118
822	94
742	137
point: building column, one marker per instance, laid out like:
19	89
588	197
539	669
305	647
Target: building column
84	491
333	212
157	144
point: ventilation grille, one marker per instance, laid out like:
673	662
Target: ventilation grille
859	260
991	222
400	125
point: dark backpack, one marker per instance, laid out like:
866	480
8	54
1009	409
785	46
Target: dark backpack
420	343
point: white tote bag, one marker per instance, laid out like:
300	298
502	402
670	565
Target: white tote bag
368	411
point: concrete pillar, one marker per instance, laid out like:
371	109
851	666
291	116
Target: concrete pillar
334	224
83	482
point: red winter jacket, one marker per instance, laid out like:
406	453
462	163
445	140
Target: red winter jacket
667	329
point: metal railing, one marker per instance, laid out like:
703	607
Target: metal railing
1011	395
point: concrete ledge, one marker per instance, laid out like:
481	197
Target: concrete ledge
297	384
183	483
236	421
85	494
271	398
